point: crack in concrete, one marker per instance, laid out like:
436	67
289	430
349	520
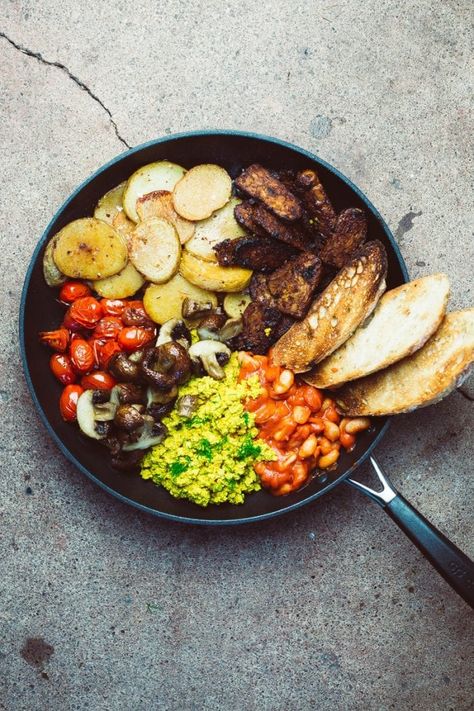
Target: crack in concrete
39	57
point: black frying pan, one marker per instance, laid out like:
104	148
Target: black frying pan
41	311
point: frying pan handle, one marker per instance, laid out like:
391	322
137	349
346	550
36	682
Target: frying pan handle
455	567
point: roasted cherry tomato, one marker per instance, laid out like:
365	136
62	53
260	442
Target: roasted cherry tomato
68	402
70	323
108	327
82	355
105	351
112	307
62	369
134	314
73	290
57	340
134	337
98	380
87	311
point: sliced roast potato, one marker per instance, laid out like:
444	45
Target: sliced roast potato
349	234
213	277
292	285
260	253
163	302
162	175
123	225
119	286
155	249
421	379
316	201
110	204
204	189
89	249
336	313
259	183
52	275
235	304
400	324
221	225
159	203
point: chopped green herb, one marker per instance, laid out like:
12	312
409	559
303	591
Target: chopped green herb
204	449
179	466
248	449
246	418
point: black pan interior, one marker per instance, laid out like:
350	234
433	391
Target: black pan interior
41	311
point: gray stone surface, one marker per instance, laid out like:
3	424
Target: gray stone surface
331	608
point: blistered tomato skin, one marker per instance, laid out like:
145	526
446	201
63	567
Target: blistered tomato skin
133	337
98	380
86	311
82	355
68	402
61	367
73	290
108	327
105	351
57	340
112	307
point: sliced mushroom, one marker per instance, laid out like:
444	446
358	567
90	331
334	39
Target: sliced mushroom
152	433
230	329
174	330
124	369
210	326
131	393
128	418
158	397
91	414
207	353
166	366
187	405
195	310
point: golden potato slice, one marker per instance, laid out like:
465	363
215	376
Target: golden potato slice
235	304
204	189
155	249
89	249
125	283
110	204
162	175
159	203
213	277
123	225
52	275
219	226
164	301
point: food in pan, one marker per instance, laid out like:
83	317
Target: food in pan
421	379
334	316
401	323
196	307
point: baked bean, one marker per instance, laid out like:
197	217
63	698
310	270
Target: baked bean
331	430
328	459
284	382
301	414
308	447
358	424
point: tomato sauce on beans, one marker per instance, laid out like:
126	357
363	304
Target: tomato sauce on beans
298	421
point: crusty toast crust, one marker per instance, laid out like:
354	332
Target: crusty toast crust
337	312
401	323
419	380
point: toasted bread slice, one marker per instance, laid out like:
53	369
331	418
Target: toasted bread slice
419	380
334	316
401	323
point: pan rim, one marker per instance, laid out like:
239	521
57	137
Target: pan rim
125	499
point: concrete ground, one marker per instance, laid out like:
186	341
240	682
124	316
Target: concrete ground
103	607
